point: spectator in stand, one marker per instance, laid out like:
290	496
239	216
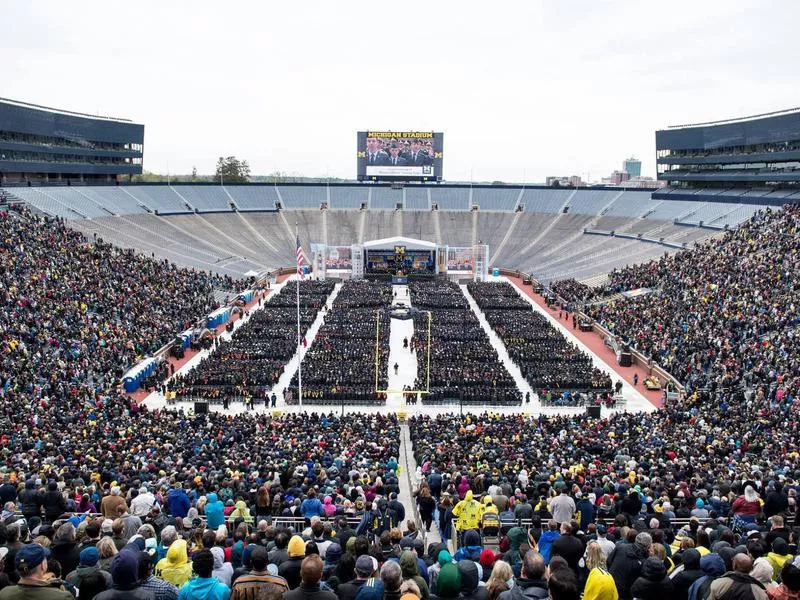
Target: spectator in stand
204	586
35	582
531	585
311	576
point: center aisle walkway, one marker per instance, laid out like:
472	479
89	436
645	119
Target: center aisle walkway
498	345
405	360
407	480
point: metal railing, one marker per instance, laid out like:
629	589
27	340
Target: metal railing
527	524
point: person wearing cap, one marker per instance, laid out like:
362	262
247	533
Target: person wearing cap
204	586
34	583
606	544
311	576
89	563
365	567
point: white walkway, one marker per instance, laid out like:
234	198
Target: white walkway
405	360
498	345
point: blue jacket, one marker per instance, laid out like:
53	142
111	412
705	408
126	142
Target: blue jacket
546	543
204	588
178	503
312	507
215	511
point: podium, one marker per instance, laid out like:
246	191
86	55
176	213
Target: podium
201	408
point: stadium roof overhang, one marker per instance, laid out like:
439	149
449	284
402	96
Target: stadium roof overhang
390	243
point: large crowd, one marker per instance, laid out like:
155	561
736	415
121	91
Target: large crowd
464	366
341	362
251	362
548	361
75	314
723	317
574	291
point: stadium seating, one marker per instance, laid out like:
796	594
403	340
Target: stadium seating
158	198
417	198
253	197
301	196
591	202
205	198
499	199
350	197
46	203
450	198
385	198
540	200
112	198
631	204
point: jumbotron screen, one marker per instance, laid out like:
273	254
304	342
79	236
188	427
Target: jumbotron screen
400	155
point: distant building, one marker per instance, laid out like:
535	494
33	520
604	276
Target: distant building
744	155
564	181
616	178
633	167
40	145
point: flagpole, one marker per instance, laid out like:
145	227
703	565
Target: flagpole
299	337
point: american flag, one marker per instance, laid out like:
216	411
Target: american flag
300	258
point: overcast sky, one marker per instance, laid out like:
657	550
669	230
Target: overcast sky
520	89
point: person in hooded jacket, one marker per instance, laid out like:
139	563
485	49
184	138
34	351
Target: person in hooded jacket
125	575
472	547
653	583
468	512
205	586
684	576
223	571
471	588
214	511
448	584
175	568
547	539
712	567
625	563
443	558
178	502
410	570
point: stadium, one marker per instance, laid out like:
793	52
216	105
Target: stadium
397	378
